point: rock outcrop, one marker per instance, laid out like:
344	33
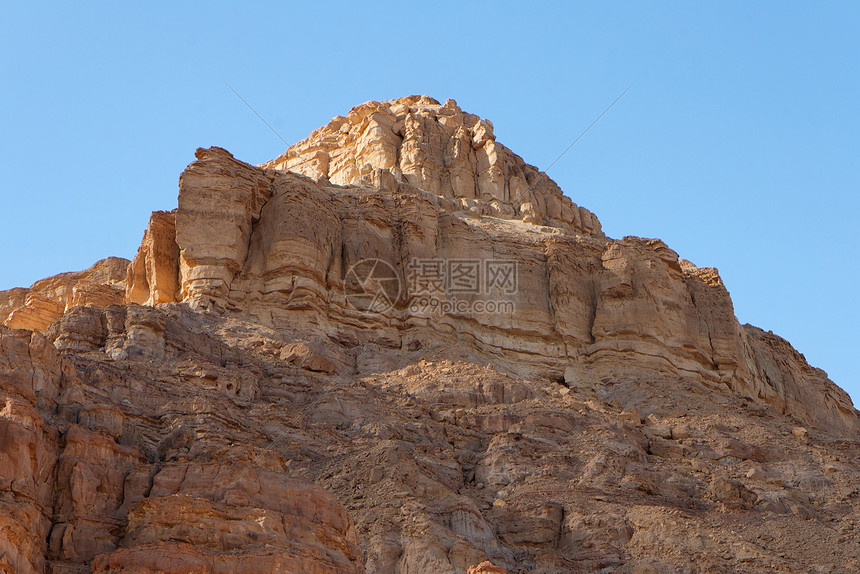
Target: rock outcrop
397	348
277	247
45	301
91	479
153	275
438	149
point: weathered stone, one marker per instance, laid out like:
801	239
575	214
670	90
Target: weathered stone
46	300
486	567
277	392
220	199
153	275
439	149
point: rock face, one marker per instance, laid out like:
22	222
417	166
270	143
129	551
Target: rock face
45	301
152	277
94	481
397	348
278	248
438	149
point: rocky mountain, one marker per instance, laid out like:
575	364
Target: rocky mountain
398	348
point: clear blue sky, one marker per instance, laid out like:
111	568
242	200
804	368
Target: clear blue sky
739	145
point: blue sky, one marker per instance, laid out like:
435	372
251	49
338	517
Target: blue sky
739	144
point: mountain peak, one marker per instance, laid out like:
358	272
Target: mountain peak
399	348
439	149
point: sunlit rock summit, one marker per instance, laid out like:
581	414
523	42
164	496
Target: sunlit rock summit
399	348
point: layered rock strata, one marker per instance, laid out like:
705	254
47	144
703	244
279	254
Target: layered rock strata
278	247
265	387
45	301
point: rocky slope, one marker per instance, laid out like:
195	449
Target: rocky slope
399	348
45	301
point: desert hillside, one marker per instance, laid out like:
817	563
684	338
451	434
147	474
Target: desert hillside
399	349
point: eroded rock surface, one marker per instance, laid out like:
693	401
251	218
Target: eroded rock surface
263	388
110	470
45	301
436	148
280	248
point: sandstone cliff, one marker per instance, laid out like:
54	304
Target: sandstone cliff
276	247
45	301
267	386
